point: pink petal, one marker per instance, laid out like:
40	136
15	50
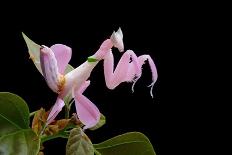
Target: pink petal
49	68
63	55
55	110
87	112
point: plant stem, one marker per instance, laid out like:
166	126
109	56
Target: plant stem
70	104
97	152
67	111
33	113
47	138
67	108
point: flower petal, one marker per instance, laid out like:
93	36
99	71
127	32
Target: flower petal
50	69
55	110
87	112
63	55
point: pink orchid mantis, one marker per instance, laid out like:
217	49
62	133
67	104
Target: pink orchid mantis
54	60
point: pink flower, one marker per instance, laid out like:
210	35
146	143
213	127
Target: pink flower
52	62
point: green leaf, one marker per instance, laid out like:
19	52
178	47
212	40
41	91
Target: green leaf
78	143
15	135
23	142
14	113
34	52
132	143
101	122
96	152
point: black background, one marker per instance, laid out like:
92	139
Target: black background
167	32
